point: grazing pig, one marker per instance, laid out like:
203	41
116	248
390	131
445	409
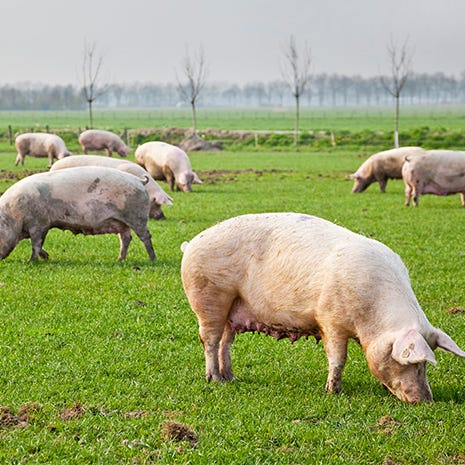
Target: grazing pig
94	139
382	166
168	162
157	195
40	144
291	275
86	200
442	172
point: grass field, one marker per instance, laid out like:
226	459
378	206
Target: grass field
101	360
315	119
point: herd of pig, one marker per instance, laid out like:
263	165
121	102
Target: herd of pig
439	172
288	275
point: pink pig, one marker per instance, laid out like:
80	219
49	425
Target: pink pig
291	275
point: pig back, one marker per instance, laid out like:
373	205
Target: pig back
292	264
86	196
442	171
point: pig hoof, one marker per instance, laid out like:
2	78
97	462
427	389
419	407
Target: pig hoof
219	378
227	376
43	254
333	388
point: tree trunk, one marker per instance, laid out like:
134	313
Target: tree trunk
396	124
91	118
194	118
297	116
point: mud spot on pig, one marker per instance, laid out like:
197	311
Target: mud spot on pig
94	185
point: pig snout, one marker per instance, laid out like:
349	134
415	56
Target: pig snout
407	382
156	213
360	184
413	386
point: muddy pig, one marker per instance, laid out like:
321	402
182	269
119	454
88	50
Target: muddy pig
86	200
157	195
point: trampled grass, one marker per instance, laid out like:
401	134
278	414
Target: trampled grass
98	356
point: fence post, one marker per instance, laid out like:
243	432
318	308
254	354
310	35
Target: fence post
125	135
10	134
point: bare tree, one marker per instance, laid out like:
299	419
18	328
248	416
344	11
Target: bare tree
296	73
195	71
91	86
400	59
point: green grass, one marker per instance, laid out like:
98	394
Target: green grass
314	119
119	342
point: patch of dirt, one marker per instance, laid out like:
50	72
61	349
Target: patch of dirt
6	175
137	414
175	431
73	412
9	420
387	425
214	176
455	310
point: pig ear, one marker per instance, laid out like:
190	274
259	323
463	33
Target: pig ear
446	343
411	347
197	179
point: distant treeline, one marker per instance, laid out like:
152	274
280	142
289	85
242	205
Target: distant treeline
325	90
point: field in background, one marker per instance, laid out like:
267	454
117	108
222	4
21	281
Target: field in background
101	362
312	119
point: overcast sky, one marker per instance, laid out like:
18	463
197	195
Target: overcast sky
243	40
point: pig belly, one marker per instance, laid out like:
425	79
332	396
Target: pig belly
243	319
436	189
111	226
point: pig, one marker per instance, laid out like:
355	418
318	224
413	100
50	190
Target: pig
290	275
94	139
382	166
167	162
442	172
157	195
86	200
40	144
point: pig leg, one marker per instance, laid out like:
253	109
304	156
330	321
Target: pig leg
169	176
336	352
382	184
225	353
417	189
109	152
408	194
37	241
146	238
212	307
50	159
20	159
462	198
125	239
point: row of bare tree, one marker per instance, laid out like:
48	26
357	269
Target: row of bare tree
325	90
297	86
